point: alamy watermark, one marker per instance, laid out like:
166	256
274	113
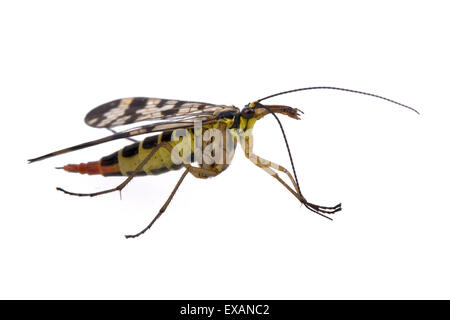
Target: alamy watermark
213	146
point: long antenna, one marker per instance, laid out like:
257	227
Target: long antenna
320	210
339	89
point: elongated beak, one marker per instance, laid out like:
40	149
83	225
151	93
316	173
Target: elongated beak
286	110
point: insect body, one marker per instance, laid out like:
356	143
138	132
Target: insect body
199	137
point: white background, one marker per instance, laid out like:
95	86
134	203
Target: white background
240	235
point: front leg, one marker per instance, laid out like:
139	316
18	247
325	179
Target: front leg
268	166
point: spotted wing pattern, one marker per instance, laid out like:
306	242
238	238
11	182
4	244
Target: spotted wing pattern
130	110
155	127
170	115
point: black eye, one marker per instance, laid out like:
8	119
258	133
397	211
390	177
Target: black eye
248	113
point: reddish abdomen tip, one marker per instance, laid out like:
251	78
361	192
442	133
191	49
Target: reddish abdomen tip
83	168
90	168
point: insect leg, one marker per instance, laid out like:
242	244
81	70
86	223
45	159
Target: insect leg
164	207
196	172
114	131
267	165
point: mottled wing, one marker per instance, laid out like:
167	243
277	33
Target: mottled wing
130	110
154	127
170	115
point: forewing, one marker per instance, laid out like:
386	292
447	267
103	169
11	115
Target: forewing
156	127
206	115
130	110
170	115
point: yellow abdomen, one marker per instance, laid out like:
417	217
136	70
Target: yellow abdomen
131	156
